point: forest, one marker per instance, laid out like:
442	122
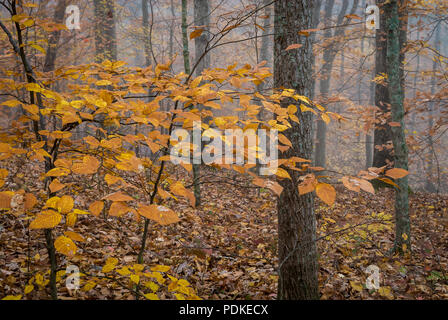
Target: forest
223	150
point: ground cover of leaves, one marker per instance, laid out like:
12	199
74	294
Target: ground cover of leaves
226	248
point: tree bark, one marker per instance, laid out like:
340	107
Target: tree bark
329	56
298	268
105	35
382	137
201	19
396	20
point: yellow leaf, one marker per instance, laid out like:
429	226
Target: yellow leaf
151	285
135	278
89	285
46	220
74	236
325	118
29	288
65	246
356	286
282	173
110	179
18	297
151	296
103	83
388	181
110	265
70	219
386	292
65	204
326	193
57	172
37	47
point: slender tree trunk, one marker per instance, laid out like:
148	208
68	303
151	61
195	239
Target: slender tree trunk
53	41
146	33
105	34
328	59
201	19
186	51
298	268
429	185
265	54
396	23
382	155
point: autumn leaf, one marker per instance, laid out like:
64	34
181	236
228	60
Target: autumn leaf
96	207
196	33
46	220
65	246
118	196
56	186
160	214
74	236
293	46
65	204
326	193
397	173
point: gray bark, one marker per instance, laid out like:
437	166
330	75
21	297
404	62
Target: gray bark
298	269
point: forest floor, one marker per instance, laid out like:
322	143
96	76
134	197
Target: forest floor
226	248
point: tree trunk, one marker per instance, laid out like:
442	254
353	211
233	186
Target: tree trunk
298	268
53	41
396	23
328	59
429	185
146	33
265	54
202	62
105	36
382	133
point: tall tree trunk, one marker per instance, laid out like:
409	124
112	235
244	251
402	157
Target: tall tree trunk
265	54
328	59
105	34
186	51
382	133
202	62
146	33
396	23
429	185
53	41
298	268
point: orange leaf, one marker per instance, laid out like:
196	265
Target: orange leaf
159	214
96	207
56	185
117	209
196	33
293	46
397	173
118	196
326	193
